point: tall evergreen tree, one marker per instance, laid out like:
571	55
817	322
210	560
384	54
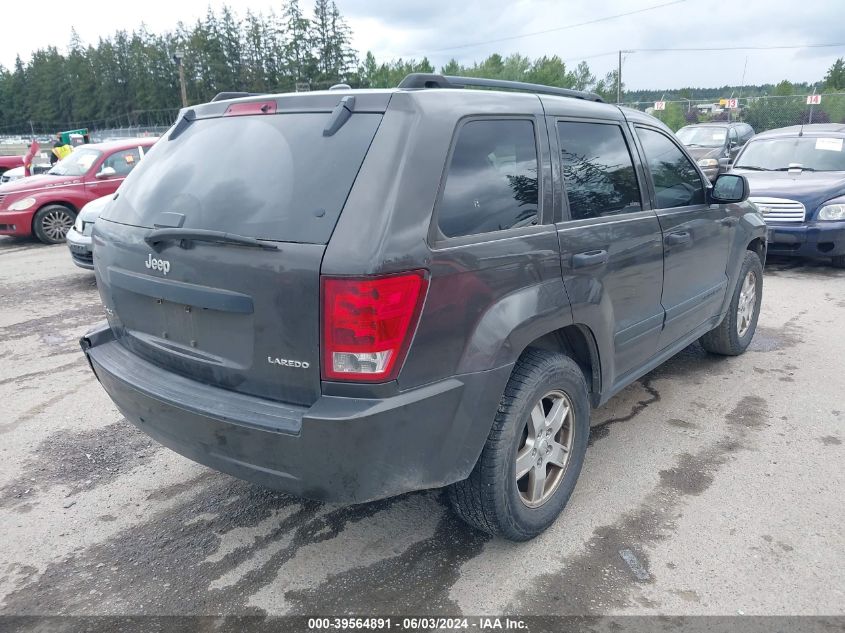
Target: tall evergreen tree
834	80
301	65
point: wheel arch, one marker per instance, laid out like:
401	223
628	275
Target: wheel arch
759	246
578	342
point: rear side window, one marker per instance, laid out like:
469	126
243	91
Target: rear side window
747	133
491	184
676	180
274	177
597	170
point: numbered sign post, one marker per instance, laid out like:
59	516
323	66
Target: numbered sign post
659	105
814	99
733	104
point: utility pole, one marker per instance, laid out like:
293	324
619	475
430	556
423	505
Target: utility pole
742	86
811	105
178	56
619	80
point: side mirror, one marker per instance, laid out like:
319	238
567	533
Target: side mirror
106	172
729	188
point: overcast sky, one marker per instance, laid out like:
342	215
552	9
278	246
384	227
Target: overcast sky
442	29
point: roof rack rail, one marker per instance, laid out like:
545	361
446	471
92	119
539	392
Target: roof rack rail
433	80
225	96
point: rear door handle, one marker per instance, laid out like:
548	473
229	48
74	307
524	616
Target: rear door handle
678	239
589	258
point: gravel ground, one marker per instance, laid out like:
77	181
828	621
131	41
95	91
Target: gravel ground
711	486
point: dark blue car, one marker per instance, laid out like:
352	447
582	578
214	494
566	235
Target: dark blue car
797	180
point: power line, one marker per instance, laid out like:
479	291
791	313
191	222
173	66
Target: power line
559	28
705	49
737	48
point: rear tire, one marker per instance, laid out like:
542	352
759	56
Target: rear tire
493	499
838	261
733	335
52	223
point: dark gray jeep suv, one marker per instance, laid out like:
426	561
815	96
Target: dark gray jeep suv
348	295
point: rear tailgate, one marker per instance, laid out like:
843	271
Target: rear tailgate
232	316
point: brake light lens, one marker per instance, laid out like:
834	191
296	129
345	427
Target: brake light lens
368	324
251	107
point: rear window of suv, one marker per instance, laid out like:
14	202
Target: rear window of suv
273	177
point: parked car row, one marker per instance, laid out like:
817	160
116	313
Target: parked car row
47	205
796	176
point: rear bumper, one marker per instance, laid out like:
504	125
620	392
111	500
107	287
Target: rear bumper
339	449
812	239
81	251
16	223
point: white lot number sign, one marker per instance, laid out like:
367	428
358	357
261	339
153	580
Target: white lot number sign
659	105
814	99
733	104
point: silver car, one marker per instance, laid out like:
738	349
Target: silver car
79	236
16	173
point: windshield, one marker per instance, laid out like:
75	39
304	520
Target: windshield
810	152
693	136
77	164
273	177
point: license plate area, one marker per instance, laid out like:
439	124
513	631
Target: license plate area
207	335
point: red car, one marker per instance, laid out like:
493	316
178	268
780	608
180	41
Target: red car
10	162
46	205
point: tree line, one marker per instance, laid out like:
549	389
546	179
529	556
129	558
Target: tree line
109	83
130	78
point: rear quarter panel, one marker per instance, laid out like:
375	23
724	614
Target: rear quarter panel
488	296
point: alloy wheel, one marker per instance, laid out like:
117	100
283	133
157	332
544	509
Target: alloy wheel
56	224
746	305
544	448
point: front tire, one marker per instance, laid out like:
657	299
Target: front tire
534	453
52	223
733	335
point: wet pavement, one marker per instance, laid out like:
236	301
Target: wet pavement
711	486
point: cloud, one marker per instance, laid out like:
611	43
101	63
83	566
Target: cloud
442	29
413	29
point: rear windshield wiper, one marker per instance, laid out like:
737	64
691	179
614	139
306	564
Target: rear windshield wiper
200	235
751	167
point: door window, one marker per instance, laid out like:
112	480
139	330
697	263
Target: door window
676	180
492	181
598	172
123	162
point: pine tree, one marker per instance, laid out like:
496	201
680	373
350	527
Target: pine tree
834	80
300	60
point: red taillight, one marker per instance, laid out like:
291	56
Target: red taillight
368	324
